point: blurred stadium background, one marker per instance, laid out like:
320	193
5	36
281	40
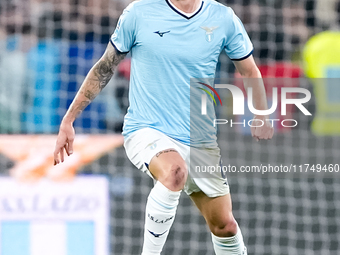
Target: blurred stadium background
46	49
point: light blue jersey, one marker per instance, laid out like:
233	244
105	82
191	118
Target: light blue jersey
168	48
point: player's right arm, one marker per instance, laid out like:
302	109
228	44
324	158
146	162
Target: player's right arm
97	78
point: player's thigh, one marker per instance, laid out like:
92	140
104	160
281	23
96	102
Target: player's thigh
158	155
217	212
142	145
168	167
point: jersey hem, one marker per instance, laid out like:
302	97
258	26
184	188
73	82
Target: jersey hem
243	58
186	141
127	134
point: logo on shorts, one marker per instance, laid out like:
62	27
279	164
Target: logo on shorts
153	146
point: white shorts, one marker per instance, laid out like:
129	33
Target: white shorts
144	144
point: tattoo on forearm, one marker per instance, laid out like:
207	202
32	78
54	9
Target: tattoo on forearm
90	95
77	110
105	68
101	74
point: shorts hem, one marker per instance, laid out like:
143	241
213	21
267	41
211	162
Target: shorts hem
219	194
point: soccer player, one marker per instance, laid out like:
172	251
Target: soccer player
170	42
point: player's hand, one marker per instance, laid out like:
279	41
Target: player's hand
266	131
64	142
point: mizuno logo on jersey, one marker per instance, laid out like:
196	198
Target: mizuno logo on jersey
209	32
162	33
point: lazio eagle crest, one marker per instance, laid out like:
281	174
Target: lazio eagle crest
209	33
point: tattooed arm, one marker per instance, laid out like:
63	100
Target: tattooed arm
97	78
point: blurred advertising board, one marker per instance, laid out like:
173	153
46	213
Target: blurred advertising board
54	218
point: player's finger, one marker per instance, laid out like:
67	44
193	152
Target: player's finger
70	146
62	154
266	135
66	149
56	156
267	131
271	133
252	130
258	132
263	133
254	133
256	137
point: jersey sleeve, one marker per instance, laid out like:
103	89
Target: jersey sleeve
123	38
238	45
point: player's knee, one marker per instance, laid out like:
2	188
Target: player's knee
176	177
224	228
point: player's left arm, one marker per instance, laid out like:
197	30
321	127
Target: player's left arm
252	78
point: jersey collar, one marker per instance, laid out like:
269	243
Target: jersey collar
185	15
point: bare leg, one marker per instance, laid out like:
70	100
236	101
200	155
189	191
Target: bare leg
170	169
226	235
217	213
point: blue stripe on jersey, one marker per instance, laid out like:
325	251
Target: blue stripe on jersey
167	51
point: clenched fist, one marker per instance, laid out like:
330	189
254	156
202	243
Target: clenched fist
261	128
